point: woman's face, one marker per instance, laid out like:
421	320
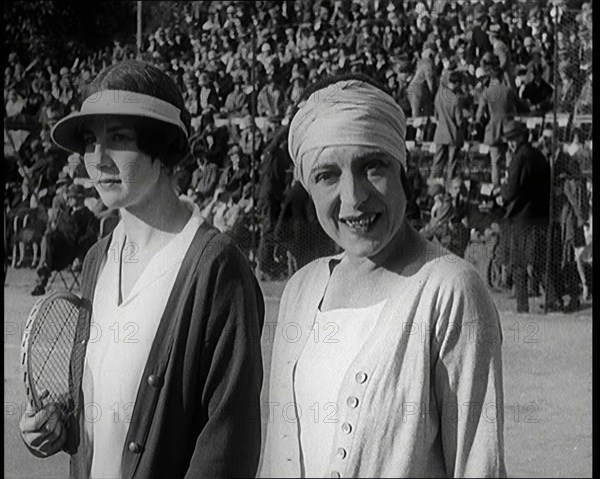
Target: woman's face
123	175
359	198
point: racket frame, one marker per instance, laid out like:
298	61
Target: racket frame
30	326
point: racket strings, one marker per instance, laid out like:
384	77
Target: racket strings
50	358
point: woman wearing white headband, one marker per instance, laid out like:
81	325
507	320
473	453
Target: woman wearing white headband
387	358
173	368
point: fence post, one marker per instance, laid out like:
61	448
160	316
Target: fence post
253	173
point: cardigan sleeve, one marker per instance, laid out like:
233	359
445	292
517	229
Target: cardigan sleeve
467	376
228	444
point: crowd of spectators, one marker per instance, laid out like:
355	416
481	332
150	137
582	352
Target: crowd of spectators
238	166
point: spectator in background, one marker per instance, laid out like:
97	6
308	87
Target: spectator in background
584	103
479	39
14	104
440	212
449	133
502	53
574	215
213	139
235	173
525	195
270	98
272	185
568	92
205	177
525	53
296	88
236	103
422	88
538	93
30	233
190	94
498	104
69	238
248	141
208	98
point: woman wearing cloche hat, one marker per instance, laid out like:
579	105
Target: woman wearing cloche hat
188	395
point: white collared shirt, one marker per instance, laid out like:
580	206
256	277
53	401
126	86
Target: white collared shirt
121	337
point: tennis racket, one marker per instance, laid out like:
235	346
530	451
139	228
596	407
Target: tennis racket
53	352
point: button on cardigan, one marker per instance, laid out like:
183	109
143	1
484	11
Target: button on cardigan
428	379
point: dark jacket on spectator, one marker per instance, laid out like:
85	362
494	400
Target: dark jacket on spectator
214	143
539	94
480	43
205	180
208	99
81	229
526	193
272	175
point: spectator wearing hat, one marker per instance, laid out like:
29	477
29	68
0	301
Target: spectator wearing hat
525	196
497	104
449	133
68	239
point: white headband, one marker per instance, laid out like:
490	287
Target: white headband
349	112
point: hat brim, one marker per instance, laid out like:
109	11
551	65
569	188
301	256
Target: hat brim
513	134
67	133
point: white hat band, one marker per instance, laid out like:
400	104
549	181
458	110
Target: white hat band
122	102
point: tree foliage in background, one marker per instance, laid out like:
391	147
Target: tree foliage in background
66	29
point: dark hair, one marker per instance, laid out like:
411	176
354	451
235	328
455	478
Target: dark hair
155	138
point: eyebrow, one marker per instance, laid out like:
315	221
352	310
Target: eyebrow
363	157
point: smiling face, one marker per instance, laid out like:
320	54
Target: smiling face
123	175
359	198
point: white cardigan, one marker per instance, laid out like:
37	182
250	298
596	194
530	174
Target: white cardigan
422	398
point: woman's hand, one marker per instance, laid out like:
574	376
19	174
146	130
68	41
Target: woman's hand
43	432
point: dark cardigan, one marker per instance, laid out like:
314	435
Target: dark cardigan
197	412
